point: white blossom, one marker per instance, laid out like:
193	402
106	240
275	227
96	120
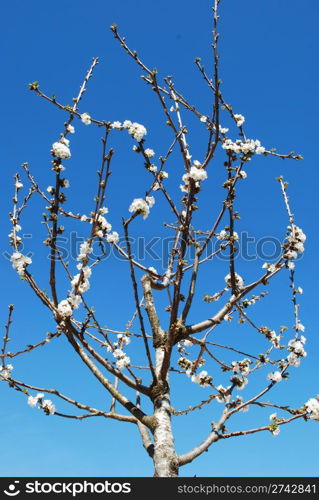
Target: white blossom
239	382
123	363
5	372
85	249
64	309
149	153
242	174
275	431
113	237
86	119
136	130
116	125
70	129
65	141
274	339
222	235
293	360
20	262
238	280
203	379
223	130
139	205
48	406
274	376
127	124
33	400
18	185
74	300
271	268
203	119
260	150
239	120
118	353
223	396
242	366
297	346
82	285
123	338
150	200
312	407
197	173
300	326
61	150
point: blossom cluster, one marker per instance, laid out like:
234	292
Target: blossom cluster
80	283
274	376
295	240
271	268
202	379
247	147
86	119
103	227
223	395
225	236
61	149
239	120
5	372
196	173
20	262
312	407
271	336
297	351
239	381
160	176
141	206
15	239
238	280
122	360
46	404
242	366
274	427
136	130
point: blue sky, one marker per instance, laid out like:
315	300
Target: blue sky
268	66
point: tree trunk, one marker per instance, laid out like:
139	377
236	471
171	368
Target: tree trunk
165	458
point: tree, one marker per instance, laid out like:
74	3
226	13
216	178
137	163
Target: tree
173	347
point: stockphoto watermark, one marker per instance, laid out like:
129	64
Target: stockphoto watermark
158	249
66	487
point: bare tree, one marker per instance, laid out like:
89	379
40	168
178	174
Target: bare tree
155	336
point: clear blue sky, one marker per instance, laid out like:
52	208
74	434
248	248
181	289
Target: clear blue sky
268	66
